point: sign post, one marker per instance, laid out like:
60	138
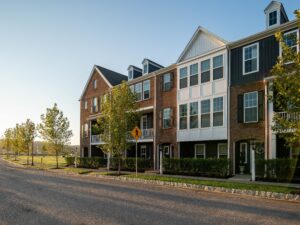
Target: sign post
136	133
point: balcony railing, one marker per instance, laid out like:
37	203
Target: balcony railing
96	139
291	117
146	134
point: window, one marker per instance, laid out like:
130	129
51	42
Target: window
130	75
86	130
194	115
166	150
167	83
95	105
132	88
95	84
222	151
183	78
200	151
250	59
85	104
272	18
145	68
205	71
205	113
183	117
218	67
138	91
143	151
218	112
194	74
290	39
146	89
166	118
144	122
250	107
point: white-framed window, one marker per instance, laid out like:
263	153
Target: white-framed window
243	153
95	84
167	118
251	59
218	110
183	117
183	77
290	39
138	91
222	151
85	104
205	71
166	79
130	74
144	122
86	130
251	107
200	151
194	74
273	18
95	104
145	68
205	113
193	115
218	67
146	89
143	151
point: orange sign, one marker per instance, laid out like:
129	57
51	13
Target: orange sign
136	133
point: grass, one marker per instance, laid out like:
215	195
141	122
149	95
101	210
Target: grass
77	170
225	184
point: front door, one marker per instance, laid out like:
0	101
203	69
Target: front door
244	160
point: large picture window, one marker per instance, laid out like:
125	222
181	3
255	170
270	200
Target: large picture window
250	58
194	115
194	74
183	77
205	113
251	107
146	89
218	67
205	71
183	117
218	111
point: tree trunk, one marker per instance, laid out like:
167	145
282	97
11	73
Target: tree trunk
56	159
28	154
32	154
119	165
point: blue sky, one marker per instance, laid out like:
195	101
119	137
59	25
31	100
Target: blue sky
48	48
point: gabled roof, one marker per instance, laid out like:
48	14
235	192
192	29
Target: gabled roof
195	35
134	67
112	78
152	62
277	4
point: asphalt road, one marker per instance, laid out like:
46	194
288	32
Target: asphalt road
35	197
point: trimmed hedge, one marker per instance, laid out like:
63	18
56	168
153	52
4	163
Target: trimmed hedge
277	169
91	162
128	164
197	167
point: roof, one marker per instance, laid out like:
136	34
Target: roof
134	67
278	4
113	77
152	62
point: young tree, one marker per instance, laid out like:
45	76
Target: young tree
16	141
54	129
27	135
7	142
286	87
118	117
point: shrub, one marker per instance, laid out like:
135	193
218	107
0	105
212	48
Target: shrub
70	160
91	162
197	167
128	164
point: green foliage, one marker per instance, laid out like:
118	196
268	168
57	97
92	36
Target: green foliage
91	162
54	129
128	164
277	169
197	167
70	160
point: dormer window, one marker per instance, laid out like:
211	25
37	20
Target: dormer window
273	18
130	75
145	68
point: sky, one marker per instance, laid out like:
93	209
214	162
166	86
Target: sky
48	48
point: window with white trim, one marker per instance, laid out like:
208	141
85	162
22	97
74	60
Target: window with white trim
95	104
183	117
183	77
130	74
290	39
146	89
205	113
145	68
250	59
218	111
138	91
86	130
273	18
222	151
218	67
251	107
95	84
205	71
167	82
200	151
85	104
166	118
194	74
193	115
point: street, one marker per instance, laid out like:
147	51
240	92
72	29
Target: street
37	197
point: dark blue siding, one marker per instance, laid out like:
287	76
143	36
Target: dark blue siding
136	74
152	68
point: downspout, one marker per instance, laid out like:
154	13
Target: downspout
267	145
228	109
154	123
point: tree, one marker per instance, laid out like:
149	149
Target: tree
54	129
286	88
118	117
27	135
7	142
16	141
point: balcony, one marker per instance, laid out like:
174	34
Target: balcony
147	135
289	118
96	139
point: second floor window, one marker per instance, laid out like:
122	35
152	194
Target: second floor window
86	130
290	39
194	74
218	112
95	84
251	107
194	115
167	82
250	59
183	77
183	117
167	118
146	89
85	104
138	91
218	67
205	71
95	104
205	113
